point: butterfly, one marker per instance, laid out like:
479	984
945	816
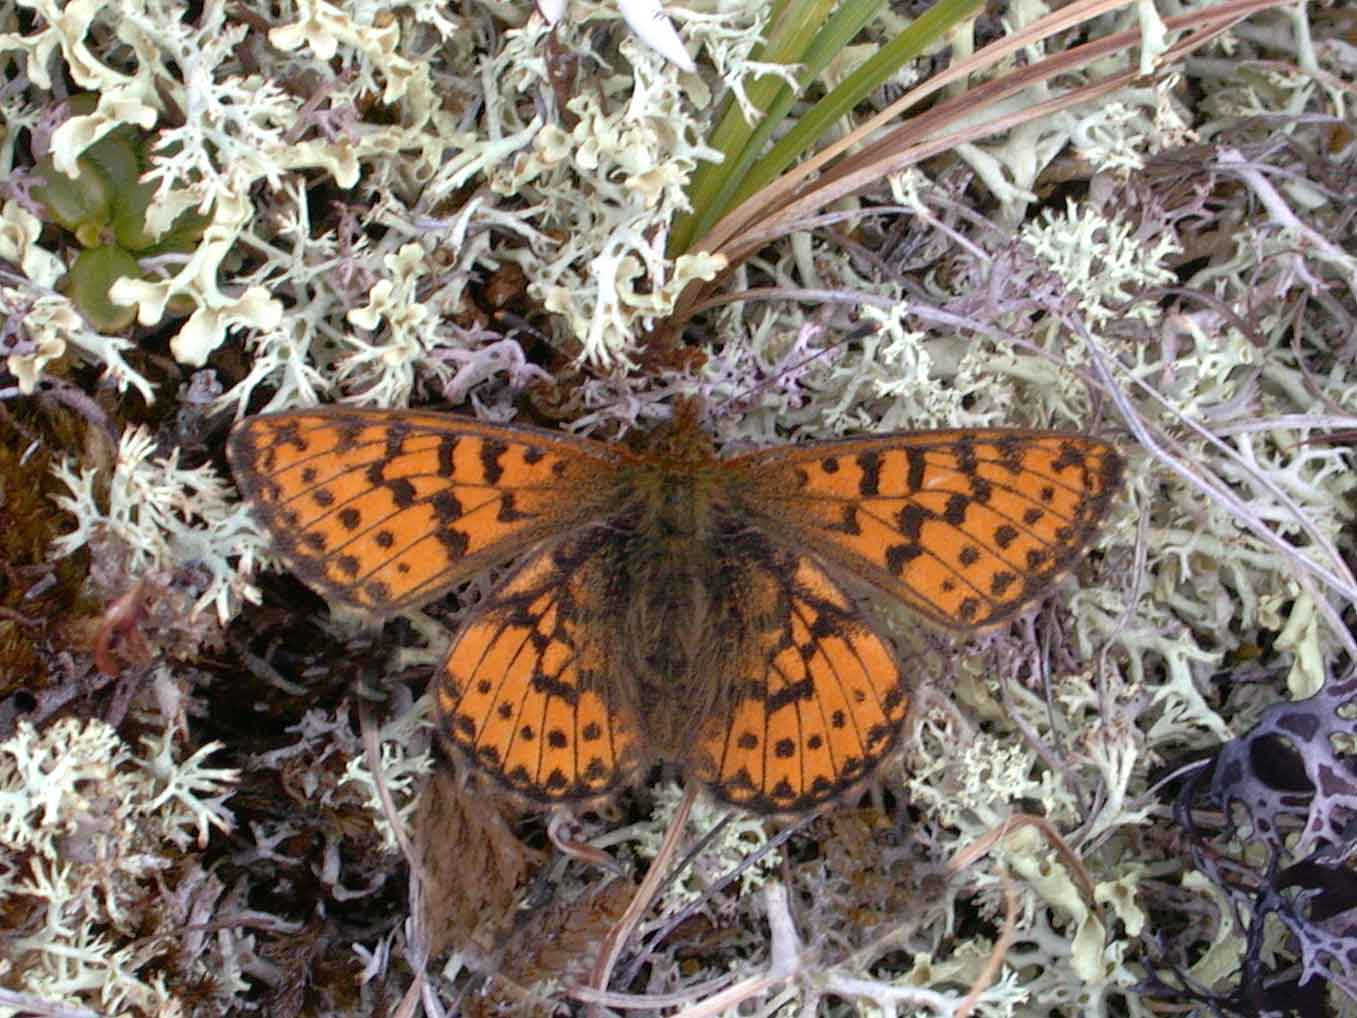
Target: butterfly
672	603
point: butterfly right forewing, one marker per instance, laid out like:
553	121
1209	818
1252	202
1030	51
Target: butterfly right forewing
964	527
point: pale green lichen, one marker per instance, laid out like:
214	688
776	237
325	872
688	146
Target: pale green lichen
652	26
1101	261
93	835
167	520
1011	165
741	837
608	188
382	372
1226	949
324	28
975	786
1119	137
405	761
71	139
197	281
19	232
64	27
48	320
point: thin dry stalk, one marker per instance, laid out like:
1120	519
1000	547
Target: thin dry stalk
996	957
982	846
645	894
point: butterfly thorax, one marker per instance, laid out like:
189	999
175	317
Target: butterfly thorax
679	444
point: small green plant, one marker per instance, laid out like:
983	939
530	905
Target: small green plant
104	205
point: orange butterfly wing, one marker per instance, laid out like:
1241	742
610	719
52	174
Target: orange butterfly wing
385	511
527	691
965	527
816	710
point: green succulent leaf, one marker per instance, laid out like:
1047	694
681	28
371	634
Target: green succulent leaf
107	201
82	205
90	279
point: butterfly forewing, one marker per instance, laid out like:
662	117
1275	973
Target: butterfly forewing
965	527
385	511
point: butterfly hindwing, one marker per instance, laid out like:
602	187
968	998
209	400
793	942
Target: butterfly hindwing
965	527
526	693
385	511
815	709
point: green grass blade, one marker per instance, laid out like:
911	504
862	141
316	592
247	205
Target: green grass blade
931	25
791	36
744	173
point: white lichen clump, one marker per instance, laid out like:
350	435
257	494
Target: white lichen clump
96	868
164	522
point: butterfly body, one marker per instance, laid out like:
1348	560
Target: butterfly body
672	603
671	599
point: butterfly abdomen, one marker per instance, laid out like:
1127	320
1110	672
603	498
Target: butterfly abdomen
659	568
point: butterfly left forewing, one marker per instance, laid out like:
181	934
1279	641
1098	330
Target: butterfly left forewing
385	510
965	527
